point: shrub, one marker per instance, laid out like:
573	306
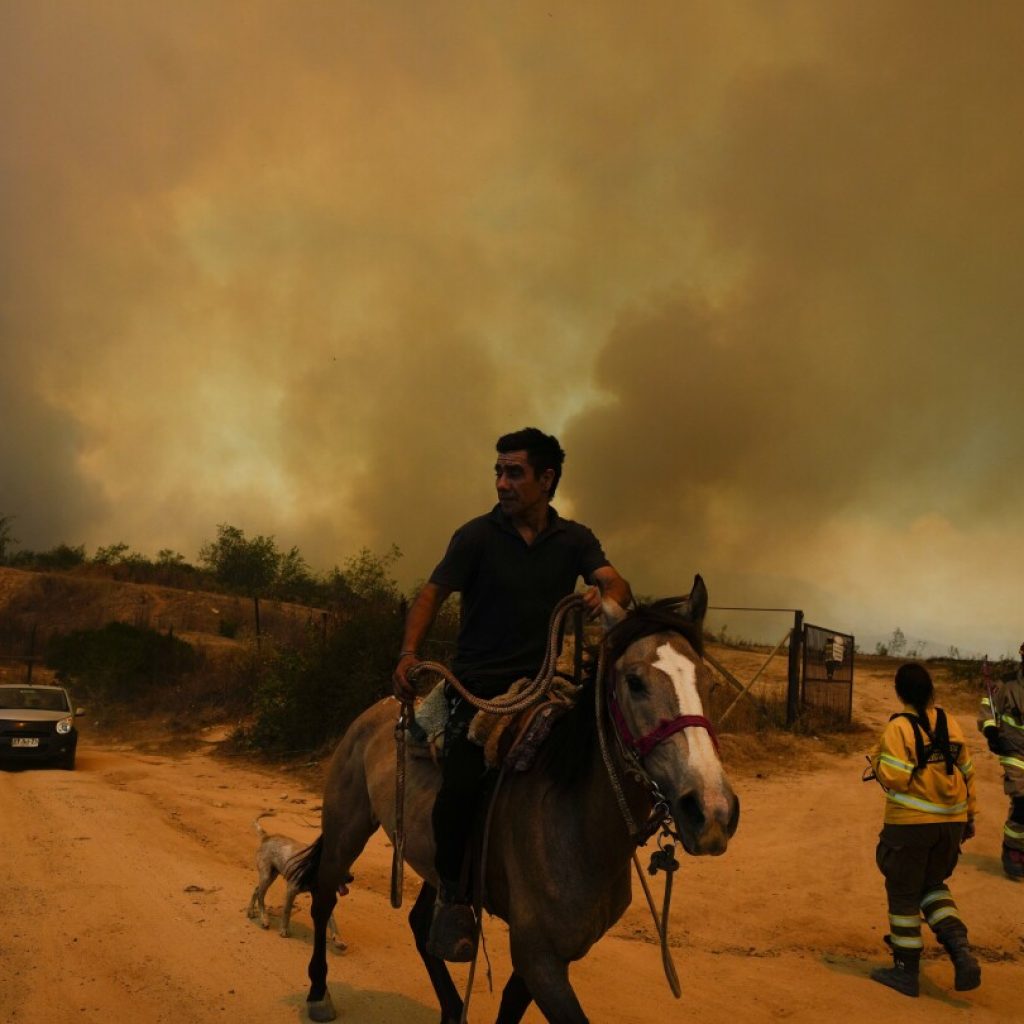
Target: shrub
119	662
307	694
229	627
58	559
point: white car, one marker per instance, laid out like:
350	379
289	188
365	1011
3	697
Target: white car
37	724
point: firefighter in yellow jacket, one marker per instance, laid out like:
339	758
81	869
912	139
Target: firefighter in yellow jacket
925	768
1003	727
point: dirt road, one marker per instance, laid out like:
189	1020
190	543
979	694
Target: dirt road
125	883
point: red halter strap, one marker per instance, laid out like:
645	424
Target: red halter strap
643	745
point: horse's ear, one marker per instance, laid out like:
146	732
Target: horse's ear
697	602
612	613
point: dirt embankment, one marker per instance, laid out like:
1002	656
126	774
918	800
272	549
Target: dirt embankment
65	602
125	886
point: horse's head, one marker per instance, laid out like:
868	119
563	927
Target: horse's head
656	694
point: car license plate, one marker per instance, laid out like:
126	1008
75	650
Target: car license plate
25	741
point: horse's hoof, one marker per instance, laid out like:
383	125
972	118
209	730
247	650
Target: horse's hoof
321	1009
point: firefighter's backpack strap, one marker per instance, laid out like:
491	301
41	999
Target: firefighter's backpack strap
941	741
938	742
922	750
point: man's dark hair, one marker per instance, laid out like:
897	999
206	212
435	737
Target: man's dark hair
914	686
542	451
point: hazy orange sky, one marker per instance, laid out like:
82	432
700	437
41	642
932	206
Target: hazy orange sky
294	266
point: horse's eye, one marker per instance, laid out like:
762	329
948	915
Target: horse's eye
635	683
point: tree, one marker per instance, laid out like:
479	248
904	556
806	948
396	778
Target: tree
168	557
897	642
368	576
58	559
5	537
245	566
111	555
294	580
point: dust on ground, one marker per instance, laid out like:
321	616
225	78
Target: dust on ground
126	883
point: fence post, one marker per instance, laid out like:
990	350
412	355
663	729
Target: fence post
796	639
31	652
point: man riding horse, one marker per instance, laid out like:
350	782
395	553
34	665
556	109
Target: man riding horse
511	566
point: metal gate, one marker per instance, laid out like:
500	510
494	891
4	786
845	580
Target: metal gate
828	671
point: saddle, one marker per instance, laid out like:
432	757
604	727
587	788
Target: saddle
512	739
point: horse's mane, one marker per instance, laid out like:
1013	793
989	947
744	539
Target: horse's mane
666	615
567	752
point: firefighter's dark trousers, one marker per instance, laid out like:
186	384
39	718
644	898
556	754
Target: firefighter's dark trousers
916	860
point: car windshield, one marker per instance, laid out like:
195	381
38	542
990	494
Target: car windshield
31	697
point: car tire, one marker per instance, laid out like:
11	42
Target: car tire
67	762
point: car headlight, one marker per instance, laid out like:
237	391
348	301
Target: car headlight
64	726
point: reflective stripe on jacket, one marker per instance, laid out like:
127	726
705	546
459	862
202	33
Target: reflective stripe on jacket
917	795
1008	718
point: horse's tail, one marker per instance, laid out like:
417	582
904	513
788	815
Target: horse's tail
302	869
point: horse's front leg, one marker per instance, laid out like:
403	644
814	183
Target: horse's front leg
515	998
546	978
420	917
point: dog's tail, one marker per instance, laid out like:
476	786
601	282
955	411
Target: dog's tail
260	830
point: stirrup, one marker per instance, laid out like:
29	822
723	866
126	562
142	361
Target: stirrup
453	933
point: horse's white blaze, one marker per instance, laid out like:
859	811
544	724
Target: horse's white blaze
703	756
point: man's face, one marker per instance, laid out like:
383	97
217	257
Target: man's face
519	488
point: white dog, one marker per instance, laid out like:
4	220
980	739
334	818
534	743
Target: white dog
272	857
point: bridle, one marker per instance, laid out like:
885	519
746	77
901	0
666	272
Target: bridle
643	745
635	748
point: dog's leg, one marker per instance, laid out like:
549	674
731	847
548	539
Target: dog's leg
332	933
291	892
266	881
251	912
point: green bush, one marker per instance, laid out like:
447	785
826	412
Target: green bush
119	662
307	694
58	559
229	627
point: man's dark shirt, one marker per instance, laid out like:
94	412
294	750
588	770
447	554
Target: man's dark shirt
509	589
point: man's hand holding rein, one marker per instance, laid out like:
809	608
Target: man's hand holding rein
404	689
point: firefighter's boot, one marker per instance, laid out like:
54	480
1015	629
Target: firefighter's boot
903	975
1013	863
966	969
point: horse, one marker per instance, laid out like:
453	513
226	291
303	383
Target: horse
559	849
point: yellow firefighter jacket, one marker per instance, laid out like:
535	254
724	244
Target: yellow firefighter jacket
920	794
1008	721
